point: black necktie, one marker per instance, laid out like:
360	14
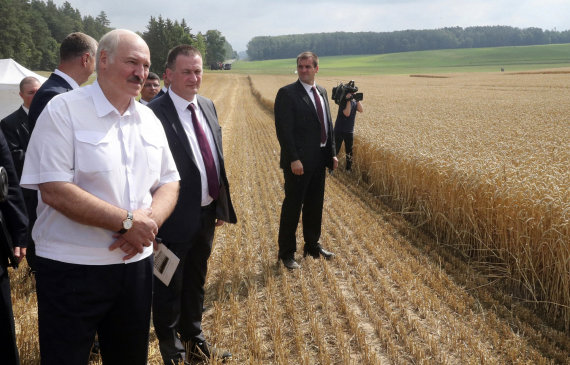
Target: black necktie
320	114
209	164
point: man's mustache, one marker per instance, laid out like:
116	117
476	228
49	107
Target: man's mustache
135	78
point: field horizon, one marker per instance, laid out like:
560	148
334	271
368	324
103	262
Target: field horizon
491	59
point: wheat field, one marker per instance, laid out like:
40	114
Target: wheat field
395	293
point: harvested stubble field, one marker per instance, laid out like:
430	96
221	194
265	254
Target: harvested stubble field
392	295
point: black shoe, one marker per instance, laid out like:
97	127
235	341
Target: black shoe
291	264
317	251
204	351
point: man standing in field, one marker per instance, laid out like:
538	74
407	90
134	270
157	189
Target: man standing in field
17	132
305	133
76	64
195	138
15	126
344	126
107	181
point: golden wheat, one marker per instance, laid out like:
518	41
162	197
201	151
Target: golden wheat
392	295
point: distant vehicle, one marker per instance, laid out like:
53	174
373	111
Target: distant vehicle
227	66
216	66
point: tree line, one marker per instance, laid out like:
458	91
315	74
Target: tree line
356	43
32	31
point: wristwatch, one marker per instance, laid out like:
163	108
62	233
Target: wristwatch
127	223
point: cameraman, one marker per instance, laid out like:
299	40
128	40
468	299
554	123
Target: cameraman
344	126
14	221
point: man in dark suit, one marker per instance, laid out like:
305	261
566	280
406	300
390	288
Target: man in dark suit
76	64
305	133
150	88
17	132
15	126
195	139
165	87
13	214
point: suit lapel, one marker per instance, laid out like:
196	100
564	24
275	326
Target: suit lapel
212	123
172	116
307	99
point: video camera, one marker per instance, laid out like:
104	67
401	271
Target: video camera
339	93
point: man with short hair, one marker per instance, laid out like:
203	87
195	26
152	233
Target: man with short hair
107	181
305	133
76	64
166	83
151	87
195	138
17	132
15	126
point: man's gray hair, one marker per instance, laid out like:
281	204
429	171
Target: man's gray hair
109	43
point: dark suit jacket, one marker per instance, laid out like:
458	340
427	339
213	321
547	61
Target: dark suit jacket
185	220
299	129
13	209
160	93
53	86
15	128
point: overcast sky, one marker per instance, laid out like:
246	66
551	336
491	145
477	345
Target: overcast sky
241	20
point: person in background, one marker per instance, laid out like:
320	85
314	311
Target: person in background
166	85
76	64
150	89
195	138
304	130
344	127
15	126
12	247
107	182
17	132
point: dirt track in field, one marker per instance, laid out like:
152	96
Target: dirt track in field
391	295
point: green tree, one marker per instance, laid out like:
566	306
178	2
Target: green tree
215	47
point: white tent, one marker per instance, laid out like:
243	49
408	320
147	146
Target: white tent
11	73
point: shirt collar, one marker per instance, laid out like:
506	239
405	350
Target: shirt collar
74	85
307	86
25	109
102	105
180	103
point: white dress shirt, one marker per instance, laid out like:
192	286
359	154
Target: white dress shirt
185	116
122	159
309	90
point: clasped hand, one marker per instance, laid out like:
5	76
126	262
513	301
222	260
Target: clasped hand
142	234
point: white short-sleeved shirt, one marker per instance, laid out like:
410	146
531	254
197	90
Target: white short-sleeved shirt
122	159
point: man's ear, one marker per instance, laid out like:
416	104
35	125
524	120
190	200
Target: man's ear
103	59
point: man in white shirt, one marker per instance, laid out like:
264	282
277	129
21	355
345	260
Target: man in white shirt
107	181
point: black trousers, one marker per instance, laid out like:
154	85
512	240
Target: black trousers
76	301
177	308
348	139
8	347
303	193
